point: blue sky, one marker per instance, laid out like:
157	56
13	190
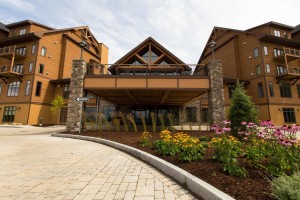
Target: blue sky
182	26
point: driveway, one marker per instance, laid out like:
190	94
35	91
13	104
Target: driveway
35	165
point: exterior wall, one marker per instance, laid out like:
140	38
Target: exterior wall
38	111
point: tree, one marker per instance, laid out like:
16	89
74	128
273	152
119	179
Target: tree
242	108
57	103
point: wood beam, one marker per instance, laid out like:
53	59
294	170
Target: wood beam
128	93
165	96
194	99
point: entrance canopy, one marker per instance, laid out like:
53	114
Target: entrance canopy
147	90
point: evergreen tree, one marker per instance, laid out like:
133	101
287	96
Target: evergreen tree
57	103
242	108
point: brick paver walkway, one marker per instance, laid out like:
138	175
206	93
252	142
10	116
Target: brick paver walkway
45	167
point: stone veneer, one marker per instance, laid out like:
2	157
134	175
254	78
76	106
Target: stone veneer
216	93
76	90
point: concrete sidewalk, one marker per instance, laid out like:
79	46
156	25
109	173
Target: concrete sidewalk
29	130
35	165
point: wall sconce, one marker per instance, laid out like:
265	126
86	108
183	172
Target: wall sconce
58	85
18	108
280	109
297	109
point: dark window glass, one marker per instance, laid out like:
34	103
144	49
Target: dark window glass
281	70
63	114
257	70
38	88
191	115
231	88
271	89
0	88
66	92
285	90
260	90
278	52
204	115
298	89
289	115
108	111
9	114
41	68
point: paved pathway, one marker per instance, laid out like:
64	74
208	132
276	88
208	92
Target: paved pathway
38	166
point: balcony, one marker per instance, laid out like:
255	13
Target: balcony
8	72
12	52
288	73
285	54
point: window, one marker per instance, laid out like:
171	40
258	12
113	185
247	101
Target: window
285	35
18	68
268	69
255	52
101	69
0	88
33	49
30	68
285	90
108	111
44	51
271	88
13	89
23	31
38	88
21	51
277	33
9	114
298	89
14	33
66	91
231	88
266	50
4	69
27	88
41	68
281	70
278	52
63	115
204	115
257	70
260	90
289	115
191	115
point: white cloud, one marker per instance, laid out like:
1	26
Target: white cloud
183	27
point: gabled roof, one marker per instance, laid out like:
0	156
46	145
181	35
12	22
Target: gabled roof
141	45
273	24
3	28
26	22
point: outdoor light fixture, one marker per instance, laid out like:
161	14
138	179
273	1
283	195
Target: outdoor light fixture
212	44
280	109
82	44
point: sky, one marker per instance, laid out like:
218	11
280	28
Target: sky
181	26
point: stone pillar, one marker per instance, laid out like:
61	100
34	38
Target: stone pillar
216	94
76	90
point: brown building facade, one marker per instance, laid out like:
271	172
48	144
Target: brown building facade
35	64
267	59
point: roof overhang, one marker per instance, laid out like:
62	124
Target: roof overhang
280	41
147	90
19	39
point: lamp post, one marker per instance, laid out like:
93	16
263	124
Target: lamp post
82	44
212	44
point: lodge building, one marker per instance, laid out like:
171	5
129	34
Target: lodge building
38	62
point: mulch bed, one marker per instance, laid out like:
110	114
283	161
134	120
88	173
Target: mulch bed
255	186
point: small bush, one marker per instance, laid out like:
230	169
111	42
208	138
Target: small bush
205	139
287	187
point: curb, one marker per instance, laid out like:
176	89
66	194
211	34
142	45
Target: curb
197	186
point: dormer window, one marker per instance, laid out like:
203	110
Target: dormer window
23	31
277	33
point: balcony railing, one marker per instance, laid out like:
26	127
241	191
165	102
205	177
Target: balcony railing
8	71
145	69
291	54
12	51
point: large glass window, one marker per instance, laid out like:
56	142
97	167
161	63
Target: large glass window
21	51
27	88
9	114
108	111
260	90
18	68
13	89
278	52
23	31
289	115
33	49
298	89
30	68
191	115
41	68
285	90
281	70
63	115
204	115
271	88
38	88
277	33
266	50
257	70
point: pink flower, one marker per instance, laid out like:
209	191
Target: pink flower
244	123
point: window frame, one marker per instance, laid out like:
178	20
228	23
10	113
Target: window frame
43	51
268	68
33	49
255	52
190	114
271	88
260	90
27	88
41	68
13	89
38	88
22	31
298	90
277	33
30	67
9	114
1	85
289	115
266	53
257	70
285	90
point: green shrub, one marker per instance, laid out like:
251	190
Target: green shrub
287	187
